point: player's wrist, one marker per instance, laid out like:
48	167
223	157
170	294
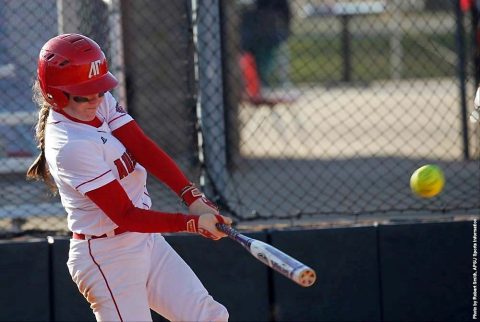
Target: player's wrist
196	201
190	193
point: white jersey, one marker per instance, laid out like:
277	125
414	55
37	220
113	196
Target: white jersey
82	158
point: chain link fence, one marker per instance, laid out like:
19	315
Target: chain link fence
298	110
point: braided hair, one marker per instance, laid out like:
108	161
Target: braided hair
39	169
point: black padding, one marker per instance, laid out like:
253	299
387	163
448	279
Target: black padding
427	271
231	275
70	305
24	281
347	286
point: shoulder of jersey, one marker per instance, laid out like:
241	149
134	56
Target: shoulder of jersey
106	104
110	103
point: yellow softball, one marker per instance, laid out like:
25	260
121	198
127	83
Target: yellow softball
427	181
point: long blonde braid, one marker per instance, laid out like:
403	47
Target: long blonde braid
39	169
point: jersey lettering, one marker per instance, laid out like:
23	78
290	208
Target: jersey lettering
122	171
94	69
125	165
128	162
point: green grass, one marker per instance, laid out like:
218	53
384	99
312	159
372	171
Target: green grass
317	58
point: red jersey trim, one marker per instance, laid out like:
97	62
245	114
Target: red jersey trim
96	122
116	118
93	179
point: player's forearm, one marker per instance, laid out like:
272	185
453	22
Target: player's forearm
151	221
151	156
122	212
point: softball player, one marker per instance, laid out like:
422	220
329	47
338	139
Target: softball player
97	157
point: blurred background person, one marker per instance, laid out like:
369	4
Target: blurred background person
264	27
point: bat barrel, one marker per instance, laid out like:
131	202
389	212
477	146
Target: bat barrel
283	263
273	257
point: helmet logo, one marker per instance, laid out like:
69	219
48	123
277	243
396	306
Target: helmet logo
94	69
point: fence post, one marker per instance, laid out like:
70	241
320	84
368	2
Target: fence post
396	36
68	19
475	37
117	59
461	61
346	50
210	107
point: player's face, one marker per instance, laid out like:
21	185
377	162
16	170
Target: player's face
85	107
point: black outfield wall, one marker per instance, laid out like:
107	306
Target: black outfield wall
411	272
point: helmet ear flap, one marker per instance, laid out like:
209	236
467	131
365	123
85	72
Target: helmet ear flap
53	96
56	98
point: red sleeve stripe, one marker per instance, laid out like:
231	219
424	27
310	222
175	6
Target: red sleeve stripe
116	118
92	179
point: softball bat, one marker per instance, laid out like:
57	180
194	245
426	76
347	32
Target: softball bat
273	257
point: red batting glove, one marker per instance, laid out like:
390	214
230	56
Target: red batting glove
205	225
196	201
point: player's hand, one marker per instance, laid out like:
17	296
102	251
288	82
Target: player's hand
207	225
196	201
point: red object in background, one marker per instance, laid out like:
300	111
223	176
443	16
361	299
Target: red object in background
466	5
252	85
250	75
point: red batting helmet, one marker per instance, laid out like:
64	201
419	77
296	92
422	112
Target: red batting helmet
74	64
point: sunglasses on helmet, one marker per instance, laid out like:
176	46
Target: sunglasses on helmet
82	99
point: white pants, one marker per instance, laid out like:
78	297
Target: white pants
122	277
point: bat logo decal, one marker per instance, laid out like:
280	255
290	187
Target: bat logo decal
263	258
273	257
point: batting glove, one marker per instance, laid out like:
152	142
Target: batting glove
205	225
196	201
